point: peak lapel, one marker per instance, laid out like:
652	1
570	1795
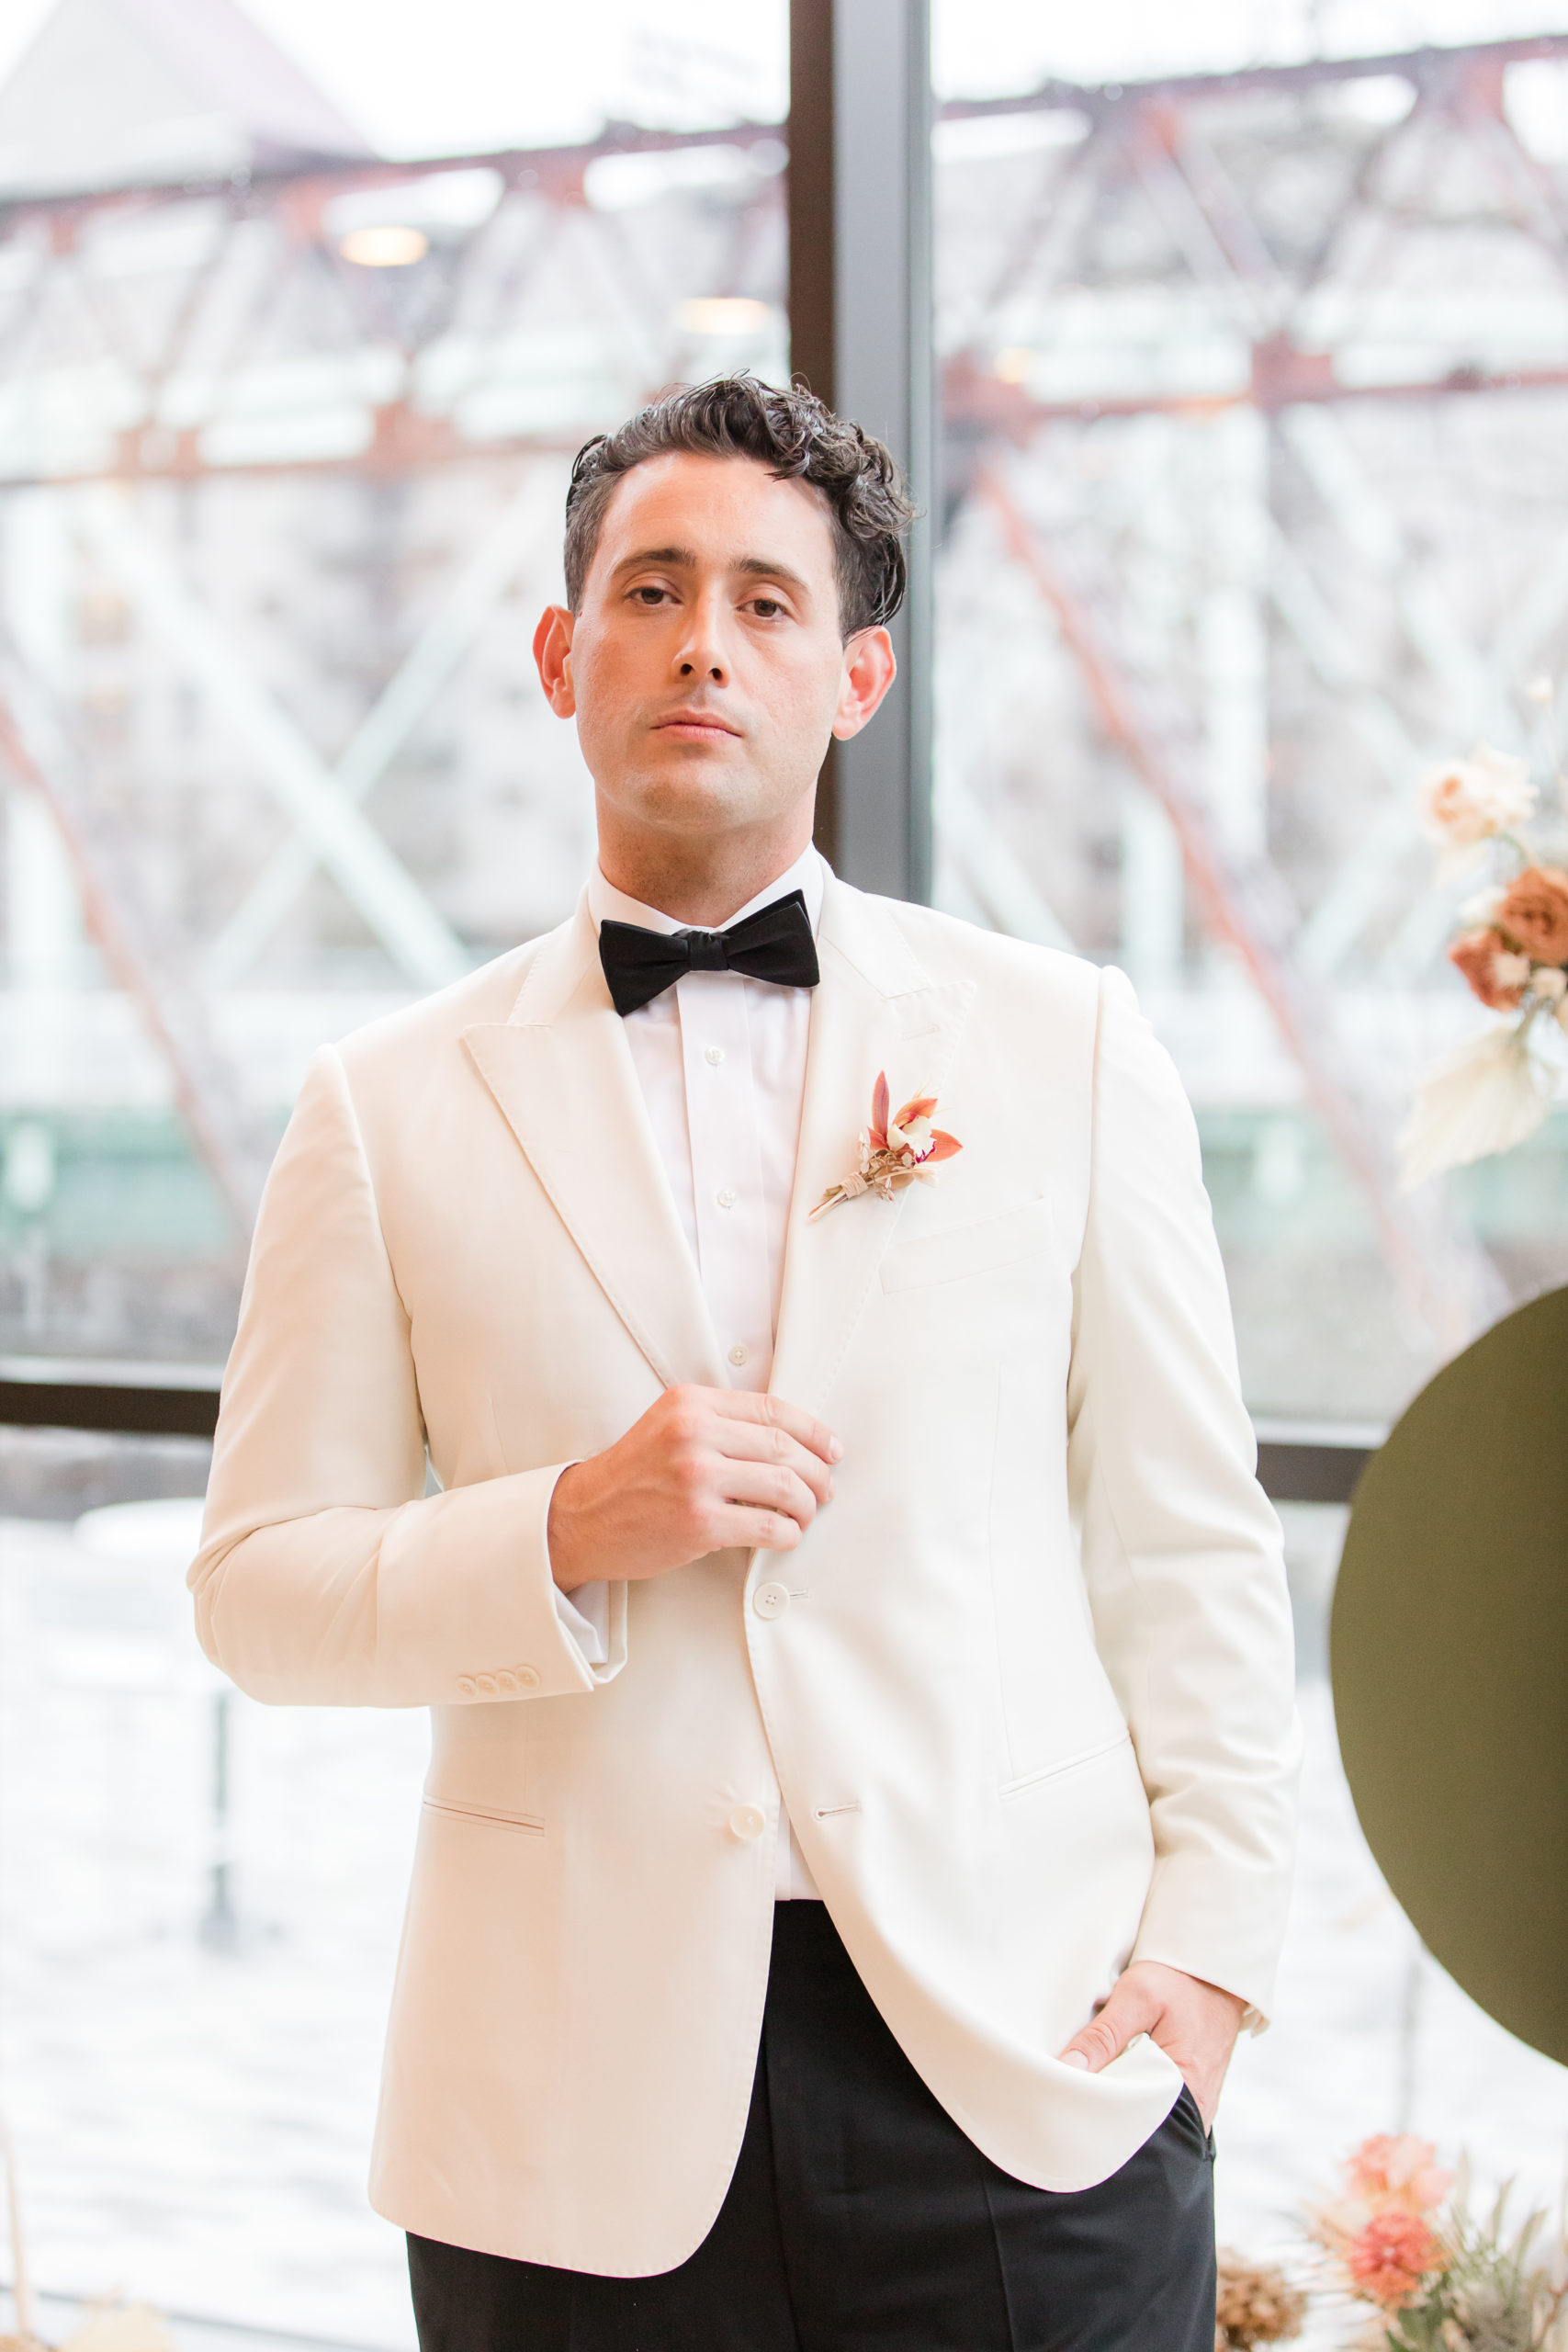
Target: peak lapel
562	1074
874	1009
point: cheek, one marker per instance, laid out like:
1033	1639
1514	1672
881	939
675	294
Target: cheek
797	699
601	684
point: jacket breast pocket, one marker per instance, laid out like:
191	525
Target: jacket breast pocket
979	1248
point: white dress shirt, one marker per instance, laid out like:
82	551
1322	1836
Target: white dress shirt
721	1061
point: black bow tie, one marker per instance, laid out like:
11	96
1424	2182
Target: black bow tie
775	944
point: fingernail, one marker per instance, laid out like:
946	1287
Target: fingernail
835	1451
1075	2058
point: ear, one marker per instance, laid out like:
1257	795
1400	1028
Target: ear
552	656
869	671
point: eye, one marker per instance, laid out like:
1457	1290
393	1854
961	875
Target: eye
766	606
648	596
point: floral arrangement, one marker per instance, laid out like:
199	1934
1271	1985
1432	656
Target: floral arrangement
1513	950
895	1150
1401	2242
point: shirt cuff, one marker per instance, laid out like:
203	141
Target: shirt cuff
585	1617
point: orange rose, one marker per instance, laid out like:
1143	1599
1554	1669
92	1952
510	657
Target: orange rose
1389	2258
1476	954
1534	911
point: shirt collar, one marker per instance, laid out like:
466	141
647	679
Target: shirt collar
606	904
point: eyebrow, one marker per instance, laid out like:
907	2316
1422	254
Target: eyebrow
746	566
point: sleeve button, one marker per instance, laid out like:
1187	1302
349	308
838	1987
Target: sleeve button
466	1685
527	1678
506	1682
485	1684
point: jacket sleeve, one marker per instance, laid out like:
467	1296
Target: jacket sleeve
1182	1551
326	1576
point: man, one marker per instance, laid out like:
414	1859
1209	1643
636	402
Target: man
857	1648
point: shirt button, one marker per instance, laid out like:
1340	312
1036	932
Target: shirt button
737	1354
466	1685
770	1600
485	1684
714	1055
726	1198
747	1821
527	1678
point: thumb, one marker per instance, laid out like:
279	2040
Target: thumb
1128	2012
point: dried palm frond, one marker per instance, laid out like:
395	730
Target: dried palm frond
1257	2305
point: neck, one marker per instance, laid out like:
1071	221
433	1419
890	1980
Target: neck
698	882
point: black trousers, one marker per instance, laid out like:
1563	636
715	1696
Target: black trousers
861	2219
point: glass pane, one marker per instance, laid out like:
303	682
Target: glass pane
284	437
1254	504
1253	495
281	477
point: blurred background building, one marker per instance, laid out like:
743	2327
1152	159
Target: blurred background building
1251	500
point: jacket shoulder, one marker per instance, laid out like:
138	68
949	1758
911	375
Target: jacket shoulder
950	948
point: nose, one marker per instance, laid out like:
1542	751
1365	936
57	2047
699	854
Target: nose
701	652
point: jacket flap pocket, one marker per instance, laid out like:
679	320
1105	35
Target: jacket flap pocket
526	1825
999	1240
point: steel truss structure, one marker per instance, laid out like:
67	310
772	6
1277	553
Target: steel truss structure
1201	406
1210	584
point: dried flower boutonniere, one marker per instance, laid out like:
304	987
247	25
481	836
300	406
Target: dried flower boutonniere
893	1151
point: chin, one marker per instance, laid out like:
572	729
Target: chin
694	802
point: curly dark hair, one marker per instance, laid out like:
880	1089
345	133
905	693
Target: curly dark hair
798	439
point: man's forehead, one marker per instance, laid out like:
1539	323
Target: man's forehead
699	503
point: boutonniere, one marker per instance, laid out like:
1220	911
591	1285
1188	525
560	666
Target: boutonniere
893	1151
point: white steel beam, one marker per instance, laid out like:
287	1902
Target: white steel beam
1476	693
1006	893
419	942
1233	641
431	661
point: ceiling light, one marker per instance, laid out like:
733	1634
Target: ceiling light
391	245
724	314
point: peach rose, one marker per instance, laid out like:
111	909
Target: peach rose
1466	801
1391	2256
1534	912
1478	953
1397	2167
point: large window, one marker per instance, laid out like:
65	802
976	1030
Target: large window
1254	503
284	436
1253	500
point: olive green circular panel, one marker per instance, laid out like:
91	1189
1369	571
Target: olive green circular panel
1450	1649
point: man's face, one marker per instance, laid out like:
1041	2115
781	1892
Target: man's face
705	668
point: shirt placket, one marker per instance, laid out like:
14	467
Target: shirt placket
726	1171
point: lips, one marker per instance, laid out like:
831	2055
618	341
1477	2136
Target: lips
694	725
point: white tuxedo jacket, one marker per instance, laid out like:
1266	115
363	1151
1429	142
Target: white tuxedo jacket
1028	1696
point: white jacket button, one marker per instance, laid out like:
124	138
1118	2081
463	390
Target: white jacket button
485	1684
770	1600
466	1685
747	1821
527	1678
506	1680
